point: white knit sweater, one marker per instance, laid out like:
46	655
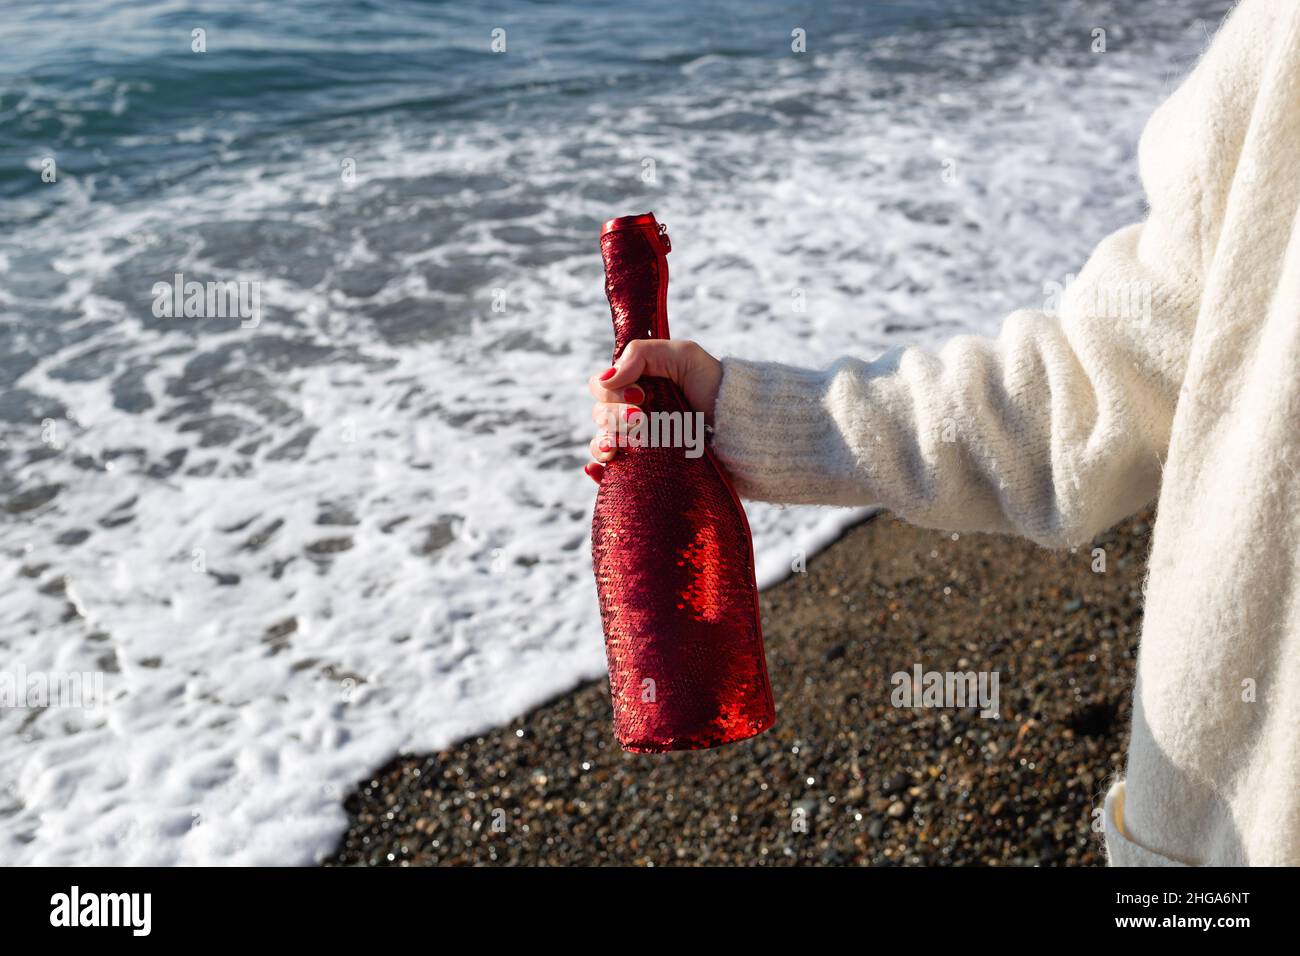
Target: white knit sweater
1065	424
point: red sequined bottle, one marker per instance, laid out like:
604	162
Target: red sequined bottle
672	551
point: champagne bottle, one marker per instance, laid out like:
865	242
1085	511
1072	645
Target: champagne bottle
671	546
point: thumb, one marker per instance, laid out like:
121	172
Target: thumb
643	357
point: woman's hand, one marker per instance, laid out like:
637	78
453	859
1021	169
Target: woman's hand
695	371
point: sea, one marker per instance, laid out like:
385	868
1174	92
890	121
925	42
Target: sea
297	305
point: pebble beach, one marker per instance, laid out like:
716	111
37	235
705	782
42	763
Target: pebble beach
846	777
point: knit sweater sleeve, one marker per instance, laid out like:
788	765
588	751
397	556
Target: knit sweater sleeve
1056	428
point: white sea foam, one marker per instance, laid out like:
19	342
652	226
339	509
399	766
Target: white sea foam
378	539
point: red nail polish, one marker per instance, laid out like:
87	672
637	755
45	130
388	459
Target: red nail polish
628	414
634	394
605	445
594	471
606	375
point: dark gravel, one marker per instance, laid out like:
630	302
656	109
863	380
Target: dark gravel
844	777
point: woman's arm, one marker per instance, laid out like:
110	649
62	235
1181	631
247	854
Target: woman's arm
1058	427
1054	430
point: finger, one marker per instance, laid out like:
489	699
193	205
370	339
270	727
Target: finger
632	395
608	414
603	447
642	357
595	471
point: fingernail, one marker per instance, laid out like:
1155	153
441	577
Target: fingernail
634	394
629	412
606	375
594	471
605	445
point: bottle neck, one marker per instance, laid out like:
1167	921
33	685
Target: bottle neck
635	250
